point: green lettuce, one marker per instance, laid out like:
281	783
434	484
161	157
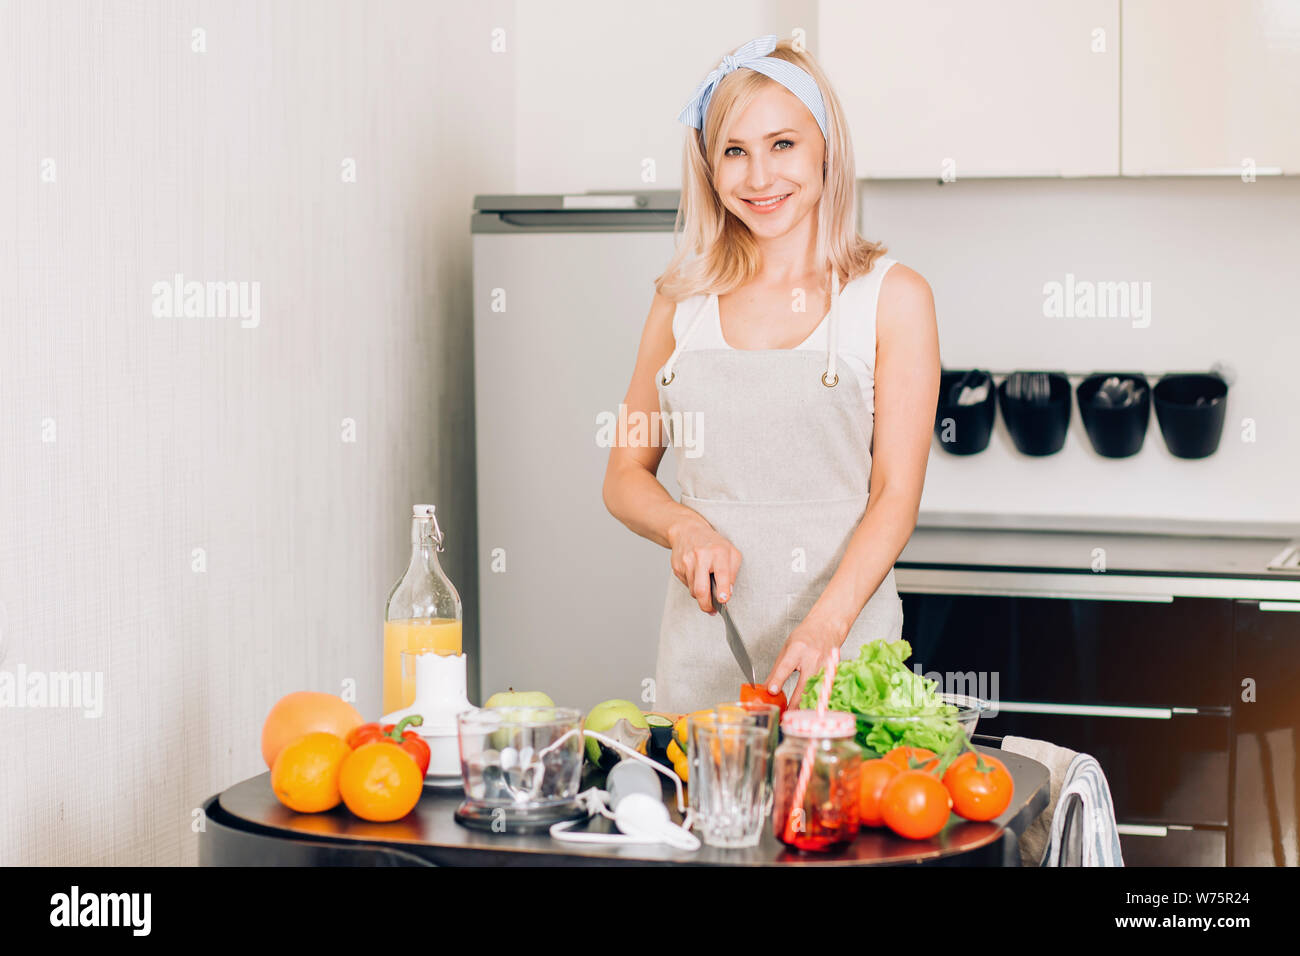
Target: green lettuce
879	684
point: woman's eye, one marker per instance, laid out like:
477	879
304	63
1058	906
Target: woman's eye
728	151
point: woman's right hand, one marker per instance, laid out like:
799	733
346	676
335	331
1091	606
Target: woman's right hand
697	551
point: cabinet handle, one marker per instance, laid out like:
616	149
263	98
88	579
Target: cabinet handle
627	201
1212	171
1080	710
1047	592
1140	829
1293	606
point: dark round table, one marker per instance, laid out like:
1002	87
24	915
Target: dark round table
247	826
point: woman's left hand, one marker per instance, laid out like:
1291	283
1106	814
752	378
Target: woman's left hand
807	650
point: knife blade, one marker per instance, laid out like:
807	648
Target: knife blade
733	636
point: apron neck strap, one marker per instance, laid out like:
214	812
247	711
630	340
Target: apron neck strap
667	375
831	377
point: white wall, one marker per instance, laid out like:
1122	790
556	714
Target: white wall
176	434
601	84
1220	256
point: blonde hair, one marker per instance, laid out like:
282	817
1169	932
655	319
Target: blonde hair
715	251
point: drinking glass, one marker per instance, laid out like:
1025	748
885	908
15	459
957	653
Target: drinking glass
754	713
730	764
759	714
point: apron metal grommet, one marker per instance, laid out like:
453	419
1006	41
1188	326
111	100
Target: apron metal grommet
833	382
669	379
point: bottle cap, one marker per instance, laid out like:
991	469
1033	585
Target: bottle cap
809	723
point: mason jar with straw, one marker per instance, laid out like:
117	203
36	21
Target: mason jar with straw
816	775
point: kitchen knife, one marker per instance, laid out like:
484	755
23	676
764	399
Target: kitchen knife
733	636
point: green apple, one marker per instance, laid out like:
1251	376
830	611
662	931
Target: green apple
620	719
519	698
538	706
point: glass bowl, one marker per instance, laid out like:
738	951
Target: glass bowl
521	757
965	716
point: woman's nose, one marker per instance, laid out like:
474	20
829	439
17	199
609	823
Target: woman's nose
758	176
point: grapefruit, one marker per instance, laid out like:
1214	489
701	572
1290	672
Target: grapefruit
305	712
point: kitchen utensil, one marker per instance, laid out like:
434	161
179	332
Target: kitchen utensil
635	804
1191	409
1028	387
440	683
733	636
1115	408
972	379
963	420
521	767
1036	408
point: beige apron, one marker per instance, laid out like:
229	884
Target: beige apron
773	449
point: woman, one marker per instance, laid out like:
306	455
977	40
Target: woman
811	438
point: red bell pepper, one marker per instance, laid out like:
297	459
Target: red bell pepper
396	734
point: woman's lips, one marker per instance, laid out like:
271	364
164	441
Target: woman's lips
769	208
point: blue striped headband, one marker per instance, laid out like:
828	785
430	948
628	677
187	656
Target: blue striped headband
753	56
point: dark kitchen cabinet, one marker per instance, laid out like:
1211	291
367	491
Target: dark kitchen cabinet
1146	687
1175	846
1132	653
1265	727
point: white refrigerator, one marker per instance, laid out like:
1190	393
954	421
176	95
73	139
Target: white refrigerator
570	600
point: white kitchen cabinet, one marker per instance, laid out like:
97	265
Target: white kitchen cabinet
1210	86
936	89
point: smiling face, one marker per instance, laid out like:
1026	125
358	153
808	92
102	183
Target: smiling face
770	174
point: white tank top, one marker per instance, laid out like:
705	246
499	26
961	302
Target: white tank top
699	321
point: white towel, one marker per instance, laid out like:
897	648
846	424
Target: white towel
1083	827
1078	787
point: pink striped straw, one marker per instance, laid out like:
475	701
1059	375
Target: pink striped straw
805	769
824	696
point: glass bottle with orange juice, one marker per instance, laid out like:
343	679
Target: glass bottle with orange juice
424	610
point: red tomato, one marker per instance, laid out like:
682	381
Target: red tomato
915	805
899	757
978	794
873	777
758	692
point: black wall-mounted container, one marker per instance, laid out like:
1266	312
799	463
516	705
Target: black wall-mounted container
1114	432
1191	408
1038	428
971	424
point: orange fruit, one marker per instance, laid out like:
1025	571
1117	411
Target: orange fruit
305	776
380	782
305	712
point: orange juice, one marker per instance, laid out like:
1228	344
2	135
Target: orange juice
439	634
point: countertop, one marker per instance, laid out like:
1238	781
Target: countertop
431	833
